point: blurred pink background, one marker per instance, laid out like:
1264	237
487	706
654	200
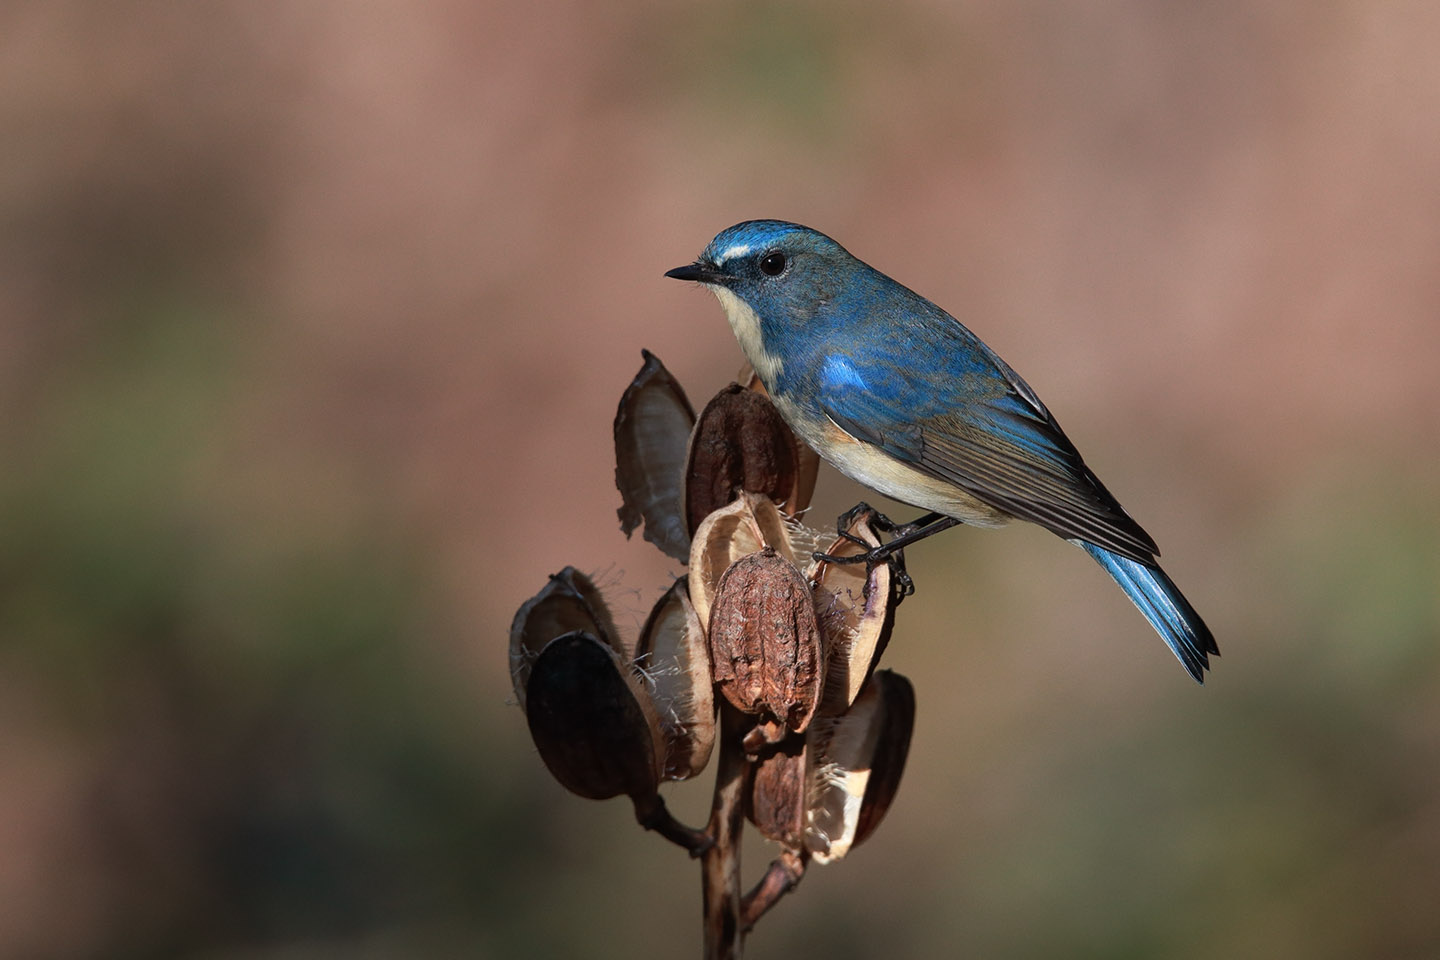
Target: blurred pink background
313	318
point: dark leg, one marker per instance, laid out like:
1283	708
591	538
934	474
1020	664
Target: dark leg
892	551
880	523
919	523
909	534
900	583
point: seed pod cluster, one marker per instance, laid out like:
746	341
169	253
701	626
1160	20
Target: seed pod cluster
784	645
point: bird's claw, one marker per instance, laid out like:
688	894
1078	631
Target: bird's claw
892	552
848	518
878	521
901	583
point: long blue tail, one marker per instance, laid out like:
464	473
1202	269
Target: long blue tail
1164	606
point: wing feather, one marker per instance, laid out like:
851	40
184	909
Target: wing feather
1002	447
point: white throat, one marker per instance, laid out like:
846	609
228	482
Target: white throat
746	325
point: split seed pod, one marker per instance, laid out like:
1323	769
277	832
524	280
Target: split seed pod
856	609
568	602
592	723
741	528
652	431
856	761
740	442
673	658
765	644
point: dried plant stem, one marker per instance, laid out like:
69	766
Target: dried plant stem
652	814
782	877
724	934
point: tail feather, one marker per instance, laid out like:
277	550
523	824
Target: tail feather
1157	597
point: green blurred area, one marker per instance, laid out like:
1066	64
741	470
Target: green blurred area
266	757
312	323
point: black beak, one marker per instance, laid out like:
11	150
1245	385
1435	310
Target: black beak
698	271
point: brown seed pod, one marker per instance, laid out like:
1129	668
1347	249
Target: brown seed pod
856	761
568	602
652	431
776	802
807	461
733	531
893	747
739	443
593	725
856	610
764	643
674	660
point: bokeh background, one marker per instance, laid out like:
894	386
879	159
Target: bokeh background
313	317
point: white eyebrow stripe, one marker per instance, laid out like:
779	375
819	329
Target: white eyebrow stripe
730	253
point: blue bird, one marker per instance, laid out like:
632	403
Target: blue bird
900	396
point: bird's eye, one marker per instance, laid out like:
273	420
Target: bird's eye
772	264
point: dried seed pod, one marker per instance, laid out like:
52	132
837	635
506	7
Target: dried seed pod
733	531
776	802
856	610
592	723
568	602
673	658
856	761
807	461
807	471
739	443
652	431
764	642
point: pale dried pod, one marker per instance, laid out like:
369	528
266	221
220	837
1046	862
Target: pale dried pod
652	433
673	658
856	610
569	602
776	802
740	442
855	764
765	645
591	721
740	528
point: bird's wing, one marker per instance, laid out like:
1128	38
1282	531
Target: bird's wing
980	427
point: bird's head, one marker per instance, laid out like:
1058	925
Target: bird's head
772	278
774	266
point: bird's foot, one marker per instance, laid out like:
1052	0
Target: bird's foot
900	580
871	556
892	552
